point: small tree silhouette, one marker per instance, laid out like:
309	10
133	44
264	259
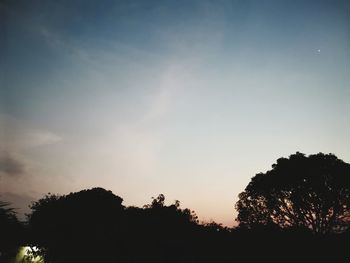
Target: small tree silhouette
311	192
10	230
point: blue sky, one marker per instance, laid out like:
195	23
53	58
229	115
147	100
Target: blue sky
185	98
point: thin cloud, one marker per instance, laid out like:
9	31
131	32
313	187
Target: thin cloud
16	135
9	166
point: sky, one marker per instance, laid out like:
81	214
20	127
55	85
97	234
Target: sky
190	99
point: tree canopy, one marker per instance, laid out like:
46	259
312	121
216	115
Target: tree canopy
69	225
10	230
93	226
311	192
281	209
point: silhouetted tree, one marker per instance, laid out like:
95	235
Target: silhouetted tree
214	227
312	192
78	227
171	212
10	231
160	232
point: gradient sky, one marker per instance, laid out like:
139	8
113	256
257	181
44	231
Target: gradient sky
186	98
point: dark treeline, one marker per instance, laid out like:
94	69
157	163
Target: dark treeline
299	210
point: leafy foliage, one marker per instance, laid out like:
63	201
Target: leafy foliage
11	230
310	192
279	212
67	226
88	220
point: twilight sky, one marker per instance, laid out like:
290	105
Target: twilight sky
186	98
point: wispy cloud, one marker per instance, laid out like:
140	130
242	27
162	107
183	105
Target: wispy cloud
17	135
10	166
170	82
21	170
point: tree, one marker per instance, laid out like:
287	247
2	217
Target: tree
311	192
77	227
10	230
170	213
